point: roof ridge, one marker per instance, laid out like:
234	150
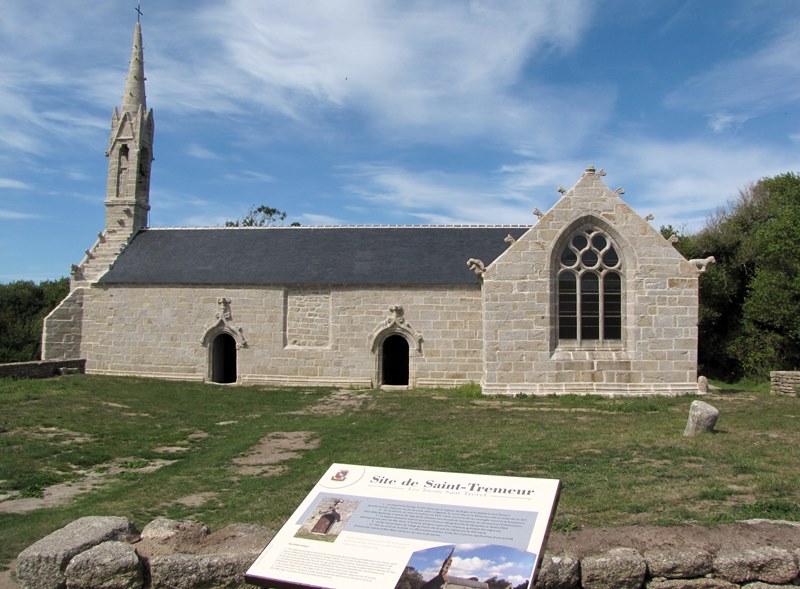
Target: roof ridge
280	227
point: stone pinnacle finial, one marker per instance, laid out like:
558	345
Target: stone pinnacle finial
590	169
134	96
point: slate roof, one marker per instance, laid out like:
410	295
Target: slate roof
419	255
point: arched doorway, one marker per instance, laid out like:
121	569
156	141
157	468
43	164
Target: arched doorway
395	361
223	359
325	523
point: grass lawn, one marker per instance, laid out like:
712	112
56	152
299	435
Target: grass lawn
622	461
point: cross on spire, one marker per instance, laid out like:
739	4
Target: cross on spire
139	11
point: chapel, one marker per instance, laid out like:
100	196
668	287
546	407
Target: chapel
588	298
444	580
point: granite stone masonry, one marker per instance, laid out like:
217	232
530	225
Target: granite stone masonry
102	553
41	369
785	383
43	564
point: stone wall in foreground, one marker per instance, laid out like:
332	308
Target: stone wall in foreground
106	552
785	382
41	369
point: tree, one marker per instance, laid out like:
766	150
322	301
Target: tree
410	579
682	242
750	299
23	306
495	583
262	216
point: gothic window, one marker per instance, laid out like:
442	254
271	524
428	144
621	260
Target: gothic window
589	286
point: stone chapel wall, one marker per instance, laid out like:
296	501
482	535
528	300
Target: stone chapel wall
292	336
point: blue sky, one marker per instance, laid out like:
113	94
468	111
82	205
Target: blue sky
380	112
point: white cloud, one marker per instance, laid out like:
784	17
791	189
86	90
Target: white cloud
767	79
249	176
438	197
14	215
412	71
200	152
680	182
720	122
79	176
466	567
15	184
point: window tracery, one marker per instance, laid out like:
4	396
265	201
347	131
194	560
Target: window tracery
589	287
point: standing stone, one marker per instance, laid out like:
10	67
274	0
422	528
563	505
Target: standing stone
702	418
41	565
110	565
619	568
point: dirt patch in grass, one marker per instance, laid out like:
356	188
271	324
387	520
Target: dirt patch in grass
170	449
55	434
337	403
265	457
61	493
197	499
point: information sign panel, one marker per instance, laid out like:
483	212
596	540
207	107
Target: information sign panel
370	527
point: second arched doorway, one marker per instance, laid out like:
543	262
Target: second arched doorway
223	359
394	361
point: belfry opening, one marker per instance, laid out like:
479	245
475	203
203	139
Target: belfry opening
223	359
395	361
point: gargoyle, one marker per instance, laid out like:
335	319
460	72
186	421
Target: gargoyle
702	264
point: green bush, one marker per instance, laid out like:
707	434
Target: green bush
23	307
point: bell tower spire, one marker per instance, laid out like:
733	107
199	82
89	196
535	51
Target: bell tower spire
130	153
134	95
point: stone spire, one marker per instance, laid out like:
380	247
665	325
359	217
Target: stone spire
134	95
130	154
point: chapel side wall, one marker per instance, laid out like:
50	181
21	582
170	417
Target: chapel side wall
658	353
62	328
294	336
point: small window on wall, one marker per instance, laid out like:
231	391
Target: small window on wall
589	286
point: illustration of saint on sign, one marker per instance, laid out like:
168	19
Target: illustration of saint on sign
468	566
327	519
340	475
